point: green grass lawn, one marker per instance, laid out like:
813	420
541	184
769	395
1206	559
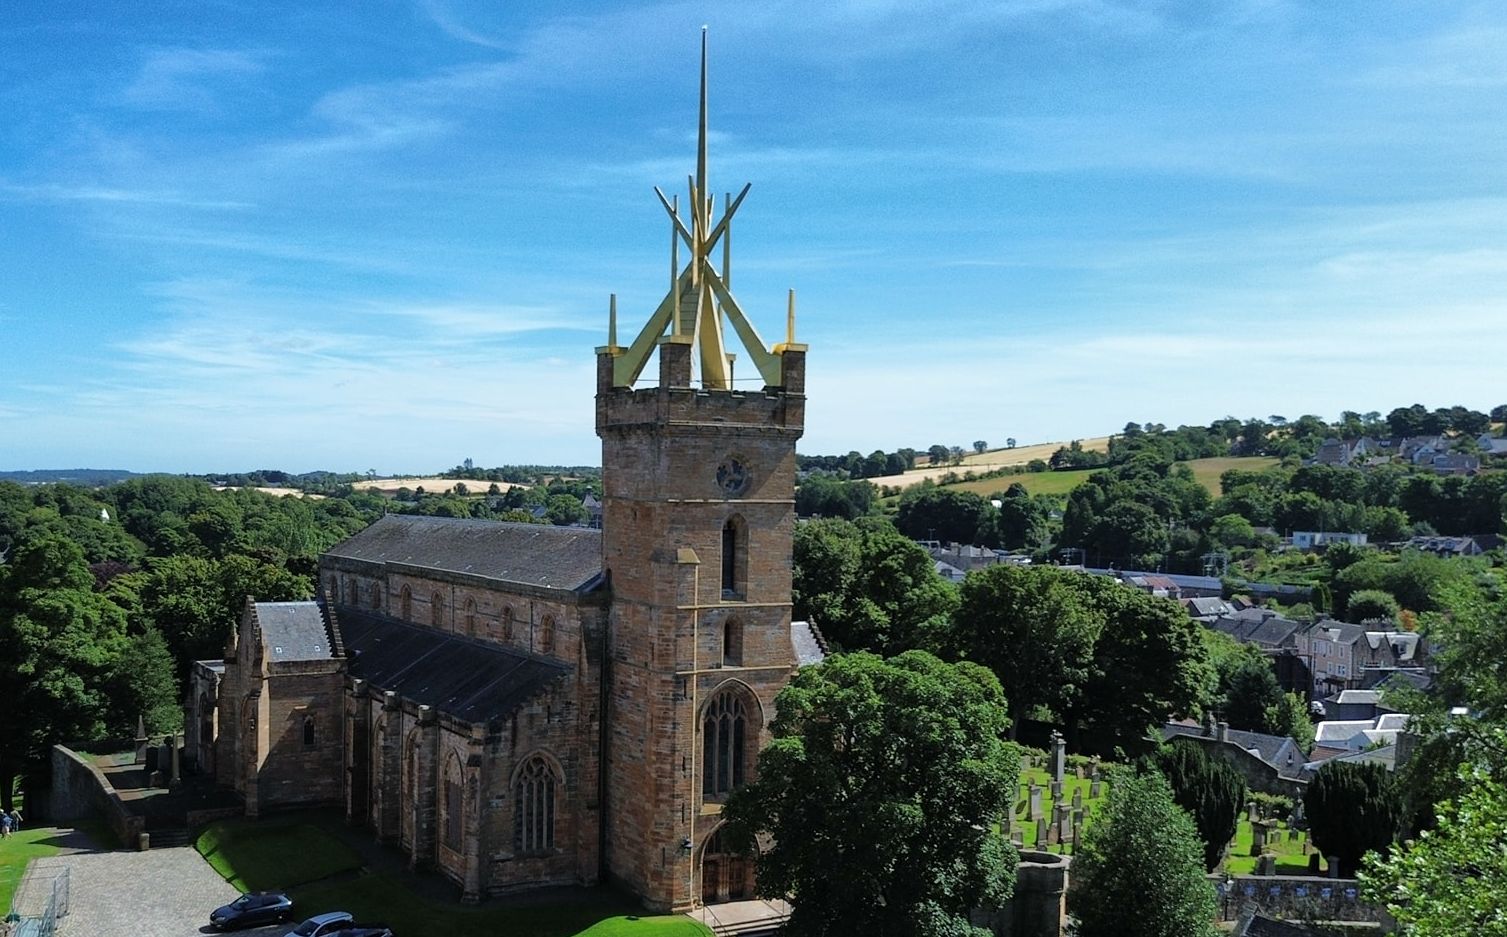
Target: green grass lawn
1206	471
16	851
323	874
1292	856
271	855
1043	778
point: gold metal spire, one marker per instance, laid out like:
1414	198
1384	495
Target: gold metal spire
699	297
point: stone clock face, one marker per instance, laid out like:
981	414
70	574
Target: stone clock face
732	477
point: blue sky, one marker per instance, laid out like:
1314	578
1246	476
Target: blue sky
382	235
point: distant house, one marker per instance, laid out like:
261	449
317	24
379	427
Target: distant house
1157	585
1359	734
1385	678
593	506
1188	587
1446	546
1454	463
1353	704
1492	445
1206	609
1330	647
1269	763
1259	626
1312	539
1333	452
948	571
966	557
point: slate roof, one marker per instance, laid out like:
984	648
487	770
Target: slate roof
293	630
809	645
1265	746
1259	926
568	558
471	680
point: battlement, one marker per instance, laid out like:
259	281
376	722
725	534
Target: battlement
779	409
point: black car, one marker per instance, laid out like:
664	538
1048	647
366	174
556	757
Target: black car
252	910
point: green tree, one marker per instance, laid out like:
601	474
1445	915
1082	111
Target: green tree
1131	533
1033	628
881	791
1209	789
1289	716
1249	689
1352	809
1139	871
1371	605
1148	661
927	512
141	682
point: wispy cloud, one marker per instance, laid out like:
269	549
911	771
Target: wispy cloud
183	79
58	192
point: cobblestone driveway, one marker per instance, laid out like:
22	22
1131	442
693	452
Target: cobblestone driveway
157	893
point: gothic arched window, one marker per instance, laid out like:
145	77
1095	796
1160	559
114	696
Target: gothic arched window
534	807
405	604
724	737
376	595
436	610
734	558
547	635
454	804
470	616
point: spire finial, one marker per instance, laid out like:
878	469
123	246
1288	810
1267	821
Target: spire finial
700	195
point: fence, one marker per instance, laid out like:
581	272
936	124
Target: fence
41	901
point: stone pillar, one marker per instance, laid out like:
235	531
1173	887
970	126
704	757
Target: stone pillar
390	752
1059	756
141	740
1039	907
675	361
357	755
176	760
472	848
425	791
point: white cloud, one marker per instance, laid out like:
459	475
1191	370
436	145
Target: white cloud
182	79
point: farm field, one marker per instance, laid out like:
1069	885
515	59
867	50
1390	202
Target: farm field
1207	471
432	483
989	461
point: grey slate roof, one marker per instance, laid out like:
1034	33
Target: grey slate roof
809	646
471	680
1265	746
568	558
293	630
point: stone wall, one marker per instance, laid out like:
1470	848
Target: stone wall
1294	897
80	790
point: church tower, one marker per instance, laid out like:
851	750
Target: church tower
698	472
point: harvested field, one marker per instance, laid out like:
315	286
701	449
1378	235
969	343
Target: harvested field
989	461
430	483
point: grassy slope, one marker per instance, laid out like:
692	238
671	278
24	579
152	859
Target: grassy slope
323	874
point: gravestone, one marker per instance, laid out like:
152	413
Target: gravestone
1267	864
1033	803
1056	790
1077	797
1078	819
1334	866
1079	771
1292	835
1258	837
1054	835
1018	840
1095	789
1059	756
1041	832
1253	811
1065	828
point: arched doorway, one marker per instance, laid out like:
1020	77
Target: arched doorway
725	875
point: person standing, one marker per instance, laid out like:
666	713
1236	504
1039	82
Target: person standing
15	820
5	823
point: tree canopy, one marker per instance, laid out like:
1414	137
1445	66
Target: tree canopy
882	791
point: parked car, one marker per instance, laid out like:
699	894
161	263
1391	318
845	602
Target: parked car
324	925
365	930
251	910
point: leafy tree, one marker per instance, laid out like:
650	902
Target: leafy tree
1352	808
1289	716
1371	605
1450	881
881	791
938	454
1141	854
1033	628
1232	530
1208	788
1248	689
1148	662
980	446
1010	443
1022	520
1131	533
867	587
825	496
141	683
929	512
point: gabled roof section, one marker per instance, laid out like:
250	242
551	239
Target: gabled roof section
808	643
472	680
539	555
293	631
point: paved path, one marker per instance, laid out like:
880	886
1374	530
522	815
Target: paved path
157	893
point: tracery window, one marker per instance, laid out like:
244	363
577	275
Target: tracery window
534	807
724	731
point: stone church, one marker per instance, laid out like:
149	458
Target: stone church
517	705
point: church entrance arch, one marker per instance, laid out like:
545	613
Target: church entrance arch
726	875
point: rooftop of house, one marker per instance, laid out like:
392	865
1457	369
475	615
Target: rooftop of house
808	643
566	558
1266	747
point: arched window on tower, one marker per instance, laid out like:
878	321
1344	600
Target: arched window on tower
732	643
547	635
724	738
436	609
534	807
734	558
405	604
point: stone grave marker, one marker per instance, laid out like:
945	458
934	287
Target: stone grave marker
1059	756
1041	832
1033	803
1095	789
1077	797
1258	837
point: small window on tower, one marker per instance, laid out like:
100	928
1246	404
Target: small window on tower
734	558
732	643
